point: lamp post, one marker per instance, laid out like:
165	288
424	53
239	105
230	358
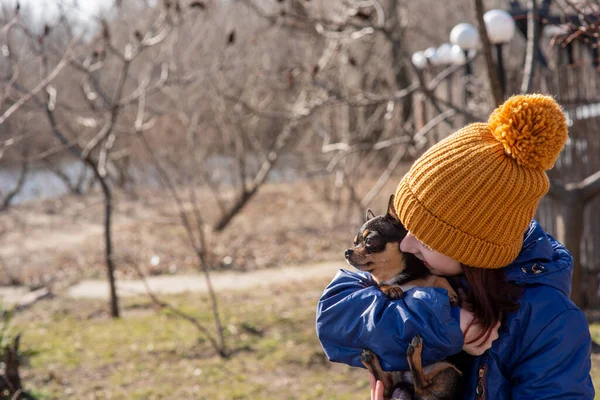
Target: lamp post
466	37
445	57
433	60
500	27
420	62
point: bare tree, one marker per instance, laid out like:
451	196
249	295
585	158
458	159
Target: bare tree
364	112
193	223
108	100
487	52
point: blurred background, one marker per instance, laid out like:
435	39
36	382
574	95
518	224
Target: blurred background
179	179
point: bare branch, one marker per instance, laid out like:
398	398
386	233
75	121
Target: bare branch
420	142
196	239
35	90
300	112
590	187
18	187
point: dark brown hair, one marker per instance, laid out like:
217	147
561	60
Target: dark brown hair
489	297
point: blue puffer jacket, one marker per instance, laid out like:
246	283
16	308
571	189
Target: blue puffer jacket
543	351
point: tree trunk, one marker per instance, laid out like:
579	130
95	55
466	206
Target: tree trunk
10	380
114	300
77	151
108	256
569	233
487	52
532	40
399	67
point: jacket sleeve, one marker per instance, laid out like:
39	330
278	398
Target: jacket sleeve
353	314
557	365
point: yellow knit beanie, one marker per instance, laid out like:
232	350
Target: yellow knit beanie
472	195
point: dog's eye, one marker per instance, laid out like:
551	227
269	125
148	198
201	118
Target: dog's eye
369	242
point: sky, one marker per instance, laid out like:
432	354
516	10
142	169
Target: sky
41	12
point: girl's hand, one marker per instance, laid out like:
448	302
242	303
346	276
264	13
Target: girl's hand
471	330
376	388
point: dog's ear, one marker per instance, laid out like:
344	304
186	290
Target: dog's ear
391	212
369	215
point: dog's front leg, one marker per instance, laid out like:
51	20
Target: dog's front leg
394	292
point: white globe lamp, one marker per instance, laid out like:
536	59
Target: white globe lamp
431	55
500	26
458	55
444	53
465	35
419	60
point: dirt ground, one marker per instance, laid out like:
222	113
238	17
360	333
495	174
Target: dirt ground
58	242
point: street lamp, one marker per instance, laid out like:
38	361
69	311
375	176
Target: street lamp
419	60
458	55
466	37
500	28
431	55
444	53
446	57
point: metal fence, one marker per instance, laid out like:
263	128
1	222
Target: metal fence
577	89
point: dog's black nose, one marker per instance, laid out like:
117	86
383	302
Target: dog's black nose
348	253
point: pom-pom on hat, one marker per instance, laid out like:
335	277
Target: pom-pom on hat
472	195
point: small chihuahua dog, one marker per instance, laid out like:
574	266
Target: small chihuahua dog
377	251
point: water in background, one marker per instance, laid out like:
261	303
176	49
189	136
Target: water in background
41	183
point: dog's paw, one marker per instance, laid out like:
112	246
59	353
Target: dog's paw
394	292
415	344
367	357
454	299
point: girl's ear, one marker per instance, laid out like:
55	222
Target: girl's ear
391	212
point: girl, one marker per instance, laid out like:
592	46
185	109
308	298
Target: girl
468	203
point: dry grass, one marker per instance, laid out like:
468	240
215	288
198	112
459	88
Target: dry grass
79	353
